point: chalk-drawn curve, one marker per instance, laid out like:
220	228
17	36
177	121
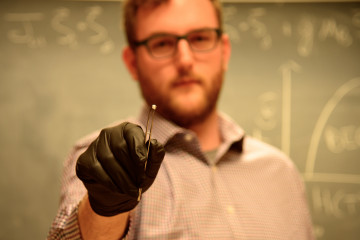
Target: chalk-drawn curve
320	124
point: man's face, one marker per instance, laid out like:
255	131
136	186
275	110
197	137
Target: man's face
185	87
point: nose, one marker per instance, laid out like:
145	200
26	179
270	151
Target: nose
184	56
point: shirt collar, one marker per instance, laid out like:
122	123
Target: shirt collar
163	130
232	134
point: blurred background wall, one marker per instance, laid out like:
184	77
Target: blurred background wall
293	81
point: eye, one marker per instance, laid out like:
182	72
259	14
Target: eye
202	40
162	43
199	38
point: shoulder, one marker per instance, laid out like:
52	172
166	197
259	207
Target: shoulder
257	150
272	161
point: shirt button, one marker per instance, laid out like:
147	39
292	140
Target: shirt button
188	137
214	168
230	209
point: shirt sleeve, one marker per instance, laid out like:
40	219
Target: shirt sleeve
65	224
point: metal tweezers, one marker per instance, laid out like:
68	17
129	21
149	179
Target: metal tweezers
148	138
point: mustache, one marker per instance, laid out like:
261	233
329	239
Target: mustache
187	77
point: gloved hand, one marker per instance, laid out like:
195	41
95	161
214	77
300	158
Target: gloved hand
112	168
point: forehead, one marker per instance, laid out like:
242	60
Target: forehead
175	16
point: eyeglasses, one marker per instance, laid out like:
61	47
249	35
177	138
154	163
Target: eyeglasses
165	45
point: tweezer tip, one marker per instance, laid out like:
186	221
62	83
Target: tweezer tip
153	106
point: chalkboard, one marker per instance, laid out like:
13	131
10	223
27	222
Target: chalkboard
293	81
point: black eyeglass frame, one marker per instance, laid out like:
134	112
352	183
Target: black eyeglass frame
178	38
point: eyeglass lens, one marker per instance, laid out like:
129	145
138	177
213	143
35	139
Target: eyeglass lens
165	45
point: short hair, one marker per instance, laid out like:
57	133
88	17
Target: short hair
131	7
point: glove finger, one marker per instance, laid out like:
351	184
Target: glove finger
103	192
117	169
90	171
156	156
137	150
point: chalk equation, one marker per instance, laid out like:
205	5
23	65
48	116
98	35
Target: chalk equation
338	203
306	30
26	33
68	34
341	139
333	204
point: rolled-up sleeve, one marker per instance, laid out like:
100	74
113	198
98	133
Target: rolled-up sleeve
65	224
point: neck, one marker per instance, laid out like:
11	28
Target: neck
208	132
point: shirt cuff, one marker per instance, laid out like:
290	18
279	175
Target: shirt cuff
71	228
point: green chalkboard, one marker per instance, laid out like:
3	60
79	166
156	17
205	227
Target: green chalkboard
293	81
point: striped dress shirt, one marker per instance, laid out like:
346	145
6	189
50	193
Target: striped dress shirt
249	191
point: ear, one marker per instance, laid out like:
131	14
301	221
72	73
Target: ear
226	48
129	59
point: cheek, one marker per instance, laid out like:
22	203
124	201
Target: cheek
159	69
210	70
211	61
154	78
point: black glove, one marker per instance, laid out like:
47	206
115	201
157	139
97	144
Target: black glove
112	168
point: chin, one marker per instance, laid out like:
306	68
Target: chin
187	113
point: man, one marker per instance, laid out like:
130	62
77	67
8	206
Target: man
213	183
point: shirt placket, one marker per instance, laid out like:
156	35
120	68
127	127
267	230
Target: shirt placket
226	204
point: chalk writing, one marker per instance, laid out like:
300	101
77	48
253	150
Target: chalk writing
68	37
341	33
266	119
356	21
306	40
307	29
287	29
26	35
257	27
319	231
101	35
228	14
338	204
346	138
61	24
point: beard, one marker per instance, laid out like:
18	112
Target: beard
174	107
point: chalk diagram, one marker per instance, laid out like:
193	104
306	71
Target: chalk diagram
266	121
308	29
328	202
337	204
310	173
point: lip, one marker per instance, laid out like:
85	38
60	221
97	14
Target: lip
186	82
